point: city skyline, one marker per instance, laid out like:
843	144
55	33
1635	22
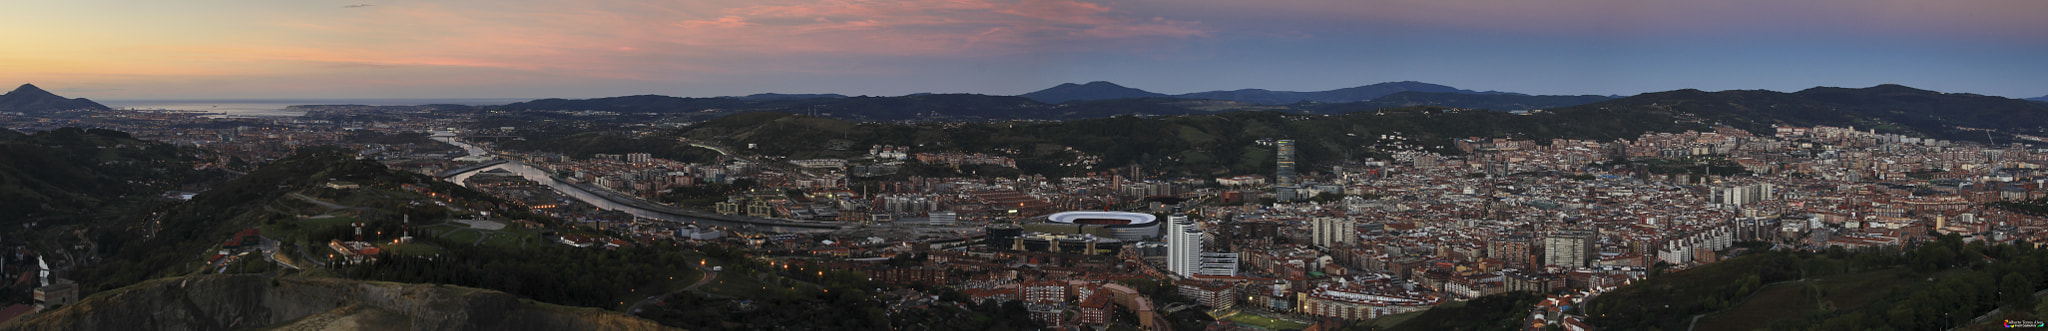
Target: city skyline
543	49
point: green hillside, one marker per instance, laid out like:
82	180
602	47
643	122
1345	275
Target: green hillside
1187	145
75	172
1886	108
167	243
1937	285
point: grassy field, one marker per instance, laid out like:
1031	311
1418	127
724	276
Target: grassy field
1268	323
462	235
513	236
441	228
1396	319
509	237
412	249
738	285
663	286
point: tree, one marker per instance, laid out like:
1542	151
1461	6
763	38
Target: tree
2015	291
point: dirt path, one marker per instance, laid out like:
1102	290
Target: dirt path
708	276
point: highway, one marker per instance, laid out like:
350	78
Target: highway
606	200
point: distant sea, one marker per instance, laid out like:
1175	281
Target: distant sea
276	107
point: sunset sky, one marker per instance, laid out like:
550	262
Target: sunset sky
138	49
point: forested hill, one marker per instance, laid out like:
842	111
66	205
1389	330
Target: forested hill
70	171
1477	101
258	301
1886	108
1941	284
133	252
1189	145
288	201
1342	95
1064	105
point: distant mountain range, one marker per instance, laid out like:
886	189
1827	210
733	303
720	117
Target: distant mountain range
2043	98
1885	108
1096	90
1196	145
1214	139
779	96
1105	90
30	99
1063	102
1476	101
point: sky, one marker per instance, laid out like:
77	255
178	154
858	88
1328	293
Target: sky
272	49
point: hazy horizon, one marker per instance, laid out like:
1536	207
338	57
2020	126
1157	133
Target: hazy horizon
108	49
388	101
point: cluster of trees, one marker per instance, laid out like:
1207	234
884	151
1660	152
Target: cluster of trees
184	230
985	315
1957	282
837	312
2035	207
1941	284
805	296
550	273
81	171
704	196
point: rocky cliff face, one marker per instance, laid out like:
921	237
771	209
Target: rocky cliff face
223	302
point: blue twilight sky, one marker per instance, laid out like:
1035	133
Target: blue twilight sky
125	49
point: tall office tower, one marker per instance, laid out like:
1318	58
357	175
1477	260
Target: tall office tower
1285	154
1191	254
1173	245
1183	245
1332	231
1569	248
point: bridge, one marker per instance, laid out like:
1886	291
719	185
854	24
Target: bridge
476	167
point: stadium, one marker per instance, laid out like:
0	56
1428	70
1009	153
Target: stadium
1120	225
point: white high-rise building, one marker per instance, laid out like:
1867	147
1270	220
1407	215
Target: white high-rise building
1173	245
1183	245
1332	231
1744	194
1191	251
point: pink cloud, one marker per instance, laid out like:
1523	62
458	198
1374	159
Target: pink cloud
934	27
727	22
664	40
1988	19
1061	11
